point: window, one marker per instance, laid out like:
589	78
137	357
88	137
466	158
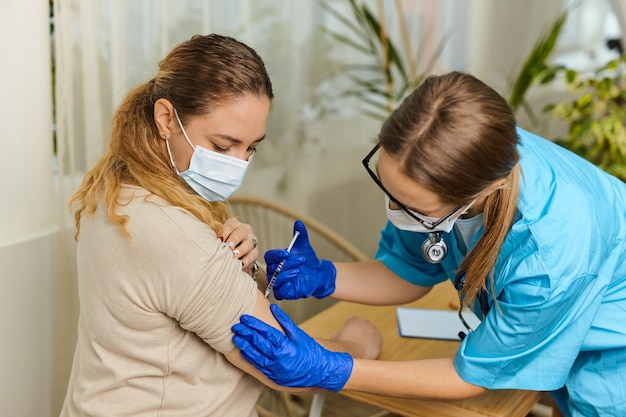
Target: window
591	24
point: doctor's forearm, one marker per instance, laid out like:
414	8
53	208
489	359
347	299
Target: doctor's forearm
356	350
371	282
422	379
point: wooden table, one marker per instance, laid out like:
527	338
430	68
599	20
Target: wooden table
494	403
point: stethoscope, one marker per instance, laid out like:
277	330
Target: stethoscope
481	296
434	249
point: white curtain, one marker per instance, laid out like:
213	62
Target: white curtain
106	47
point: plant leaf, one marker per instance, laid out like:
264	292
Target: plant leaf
535	63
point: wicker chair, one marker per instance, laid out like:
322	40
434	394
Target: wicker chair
273	226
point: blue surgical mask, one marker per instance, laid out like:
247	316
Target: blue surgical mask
212	175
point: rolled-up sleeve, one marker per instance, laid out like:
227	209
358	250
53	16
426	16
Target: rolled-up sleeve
215	299
532	336
401	252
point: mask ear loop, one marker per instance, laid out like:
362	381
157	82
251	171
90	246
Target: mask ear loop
169	153
183	130
434	249
167	142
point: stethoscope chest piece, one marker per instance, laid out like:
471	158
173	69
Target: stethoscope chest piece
434	249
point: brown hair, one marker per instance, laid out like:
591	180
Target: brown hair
455	136
196	76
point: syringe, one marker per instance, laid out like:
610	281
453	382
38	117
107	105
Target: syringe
280	266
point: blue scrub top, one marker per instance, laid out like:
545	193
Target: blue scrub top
560	282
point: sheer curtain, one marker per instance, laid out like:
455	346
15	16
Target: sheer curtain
106	47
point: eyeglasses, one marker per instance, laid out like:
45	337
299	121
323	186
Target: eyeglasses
427	224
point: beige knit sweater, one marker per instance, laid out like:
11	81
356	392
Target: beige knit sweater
155	317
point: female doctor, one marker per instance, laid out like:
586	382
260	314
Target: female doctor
533	236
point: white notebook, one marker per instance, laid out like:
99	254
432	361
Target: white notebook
433	324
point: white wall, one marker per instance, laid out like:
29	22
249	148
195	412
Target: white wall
33	352
501	34
26	120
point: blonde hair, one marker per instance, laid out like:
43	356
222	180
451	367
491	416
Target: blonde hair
456	136
499	214
196	76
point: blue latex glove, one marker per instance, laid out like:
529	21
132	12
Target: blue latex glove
293	359
302	274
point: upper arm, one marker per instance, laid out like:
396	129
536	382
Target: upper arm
516	343
262	312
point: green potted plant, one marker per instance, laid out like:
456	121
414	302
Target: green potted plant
596	116
390	69
536	67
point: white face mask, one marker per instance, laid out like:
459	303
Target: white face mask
405	222
212	175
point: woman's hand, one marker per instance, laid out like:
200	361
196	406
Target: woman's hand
302	273
361	336
242	241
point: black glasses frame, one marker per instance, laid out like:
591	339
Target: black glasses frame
428	225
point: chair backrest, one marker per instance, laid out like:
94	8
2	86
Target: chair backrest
273	226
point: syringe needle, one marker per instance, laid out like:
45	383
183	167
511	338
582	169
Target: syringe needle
270	284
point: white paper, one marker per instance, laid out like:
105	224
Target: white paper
433	324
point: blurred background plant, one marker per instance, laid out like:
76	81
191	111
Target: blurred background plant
593	109
391	68
536	68
596	115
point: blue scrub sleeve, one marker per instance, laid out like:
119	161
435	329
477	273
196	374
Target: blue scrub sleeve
532	336
401	252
